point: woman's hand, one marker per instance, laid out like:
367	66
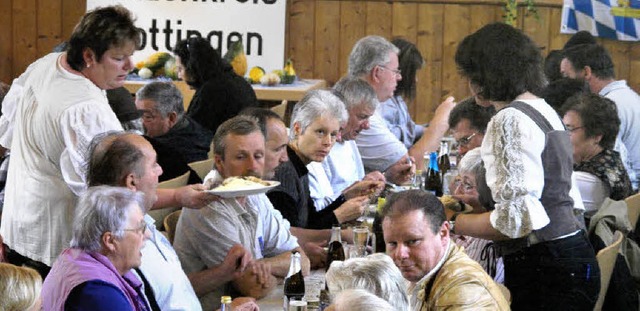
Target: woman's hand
351	209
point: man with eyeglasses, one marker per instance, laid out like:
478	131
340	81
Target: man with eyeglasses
375	60
468	122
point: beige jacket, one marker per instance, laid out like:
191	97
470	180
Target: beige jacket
462	284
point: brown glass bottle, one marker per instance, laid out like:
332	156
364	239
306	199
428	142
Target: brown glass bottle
335	251
444	163
433	180
294	283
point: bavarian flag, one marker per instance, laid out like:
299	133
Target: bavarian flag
618	20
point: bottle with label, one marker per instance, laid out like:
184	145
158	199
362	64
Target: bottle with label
444	163
294	283
433	181
225	303
335	251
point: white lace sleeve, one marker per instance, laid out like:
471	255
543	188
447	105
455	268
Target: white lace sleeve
79	124
512	151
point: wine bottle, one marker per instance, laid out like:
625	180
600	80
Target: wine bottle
444	163
225	302
433	181
380	246
294	283
336	251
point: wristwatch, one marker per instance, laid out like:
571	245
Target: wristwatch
452	222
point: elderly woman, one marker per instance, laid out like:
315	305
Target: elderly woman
375	273
360	300
62	106
315	126
593	123
220	93
548	260
95	273
19	288
471	187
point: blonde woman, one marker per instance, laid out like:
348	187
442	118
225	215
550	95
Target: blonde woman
19	288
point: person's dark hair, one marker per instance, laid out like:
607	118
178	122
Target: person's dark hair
201	62
100	30
403	202
599	116
502	62
263	115
593	55
477	115
410	61
238	125
580	37
111	158
557	92
552	65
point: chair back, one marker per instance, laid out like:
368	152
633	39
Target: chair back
159	214
633	209
607	260
280	109
170	224
202	168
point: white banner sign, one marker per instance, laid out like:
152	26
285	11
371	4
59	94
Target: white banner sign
258	23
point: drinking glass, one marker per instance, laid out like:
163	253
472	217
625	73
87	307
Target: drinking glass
360	239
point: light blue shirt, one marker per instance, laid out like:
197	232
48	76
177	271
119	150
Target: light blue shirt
395	113
628	104
161	267
378	147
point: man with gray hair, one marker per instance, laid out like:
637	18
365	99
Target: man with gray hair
375	60
127	160
343	166
164	120
204	236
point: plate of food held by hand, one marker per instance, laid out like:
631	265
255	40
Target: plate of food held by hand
240	186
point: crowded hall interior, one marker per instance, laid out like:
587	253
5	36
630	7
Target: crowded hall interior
309	155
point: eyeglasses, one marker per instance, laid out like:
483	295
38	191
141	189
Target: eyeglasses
466	186
141	229
465	140
397	72
570	129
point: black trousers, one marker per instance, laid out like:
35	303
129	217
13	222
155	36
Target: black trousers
17	259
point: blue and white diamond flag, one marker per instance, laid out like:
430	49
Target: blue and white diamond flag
618	20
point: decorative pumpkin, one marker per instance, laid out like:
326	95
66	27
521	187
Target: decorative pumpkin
236	57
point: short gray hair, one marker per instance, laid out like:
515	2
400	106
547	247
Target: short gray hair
369	52
238	125
103	209
472	164
316	104
375	273
361	300
166	96
356	92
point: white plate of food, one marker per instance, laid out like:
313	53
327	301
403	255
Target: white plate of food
241	186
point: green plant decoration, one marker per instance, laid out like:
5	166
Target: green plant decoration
511	10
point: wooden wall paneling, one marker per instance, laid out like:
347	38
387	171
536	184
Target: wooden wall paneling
327	38
6	42
353	21
49	16
72	11
429	40
619	52
536	28
24	35
481	15
404	21
379	19
301	41
556	39
459	15
634	67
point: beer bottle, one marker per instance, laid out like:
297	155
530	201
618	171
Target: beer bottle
433	182
294	283
226	303
444	163
336	251
417	180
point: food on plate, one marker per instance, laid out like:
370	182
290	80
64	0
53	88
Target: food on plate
452	204
241	182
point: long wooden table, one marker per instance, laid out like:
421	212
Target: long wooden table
289	92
